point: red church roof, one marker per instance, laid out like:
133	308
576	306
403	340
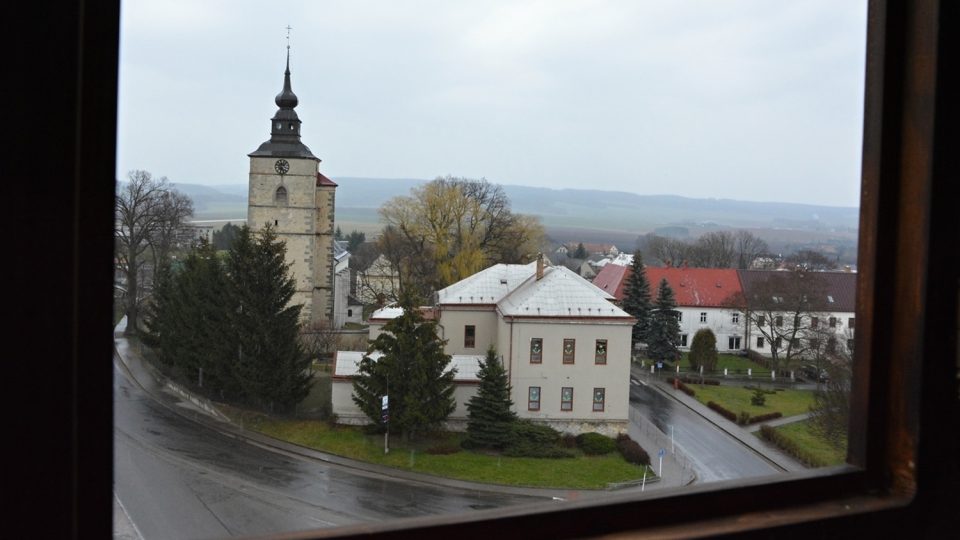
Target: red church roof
324	181
704	287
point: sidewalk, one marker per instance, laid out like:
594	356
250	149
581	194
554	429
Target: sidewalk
204	412
773	455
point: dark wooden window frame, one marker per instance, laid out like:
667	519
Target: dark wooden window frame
530	402
894	483
572	357
536	357
602	402
566	405
599	358
469	336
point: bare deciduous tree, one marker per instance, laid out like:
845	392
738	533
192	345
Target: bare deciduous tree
147	212
748	247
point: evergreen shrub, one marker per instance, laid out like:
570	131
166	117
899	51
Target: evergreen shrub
595	444
631	451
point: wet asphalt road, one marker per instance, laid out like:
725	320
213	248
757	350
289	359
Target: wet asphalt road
713	454
178	479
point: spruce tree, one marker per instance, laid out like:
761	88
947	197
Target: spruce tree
267	358
703	350
489	414
664	334
636	298
412	371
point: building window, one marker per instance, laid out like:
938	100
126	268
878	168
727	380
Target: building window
814	322
600	357
469	336
683	340
566	398
833	322
733	343
735	318
569	350
779	320
536	350
778	342
679	316
761	320
703	316
280	197
349	313
759	342
599	399
832	345
850	322
533	398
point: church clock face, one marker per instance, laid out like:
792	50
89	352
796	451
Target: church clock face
282	166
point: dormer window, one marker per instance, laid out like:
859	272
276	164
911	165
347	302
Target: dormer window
280	197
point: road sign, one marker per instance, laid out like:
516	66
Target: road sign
661	453
383	402
659	365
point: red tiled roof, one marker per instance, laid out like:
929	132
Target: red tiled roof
324	181
839	289
705	287
611	279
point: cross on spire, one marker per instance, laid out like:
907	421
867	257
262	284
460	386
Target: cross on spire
289	28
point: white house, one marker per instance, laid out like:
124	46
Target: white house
564	344
704	299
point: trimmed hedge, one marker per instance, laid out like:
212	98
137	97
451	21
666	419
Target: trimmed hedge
595	444
790	447
631	451
724	412
683	388
764	417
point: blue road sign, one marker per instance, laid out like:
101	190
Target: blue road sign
661	453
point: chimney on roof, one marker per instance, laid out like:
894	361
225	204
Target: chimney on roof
539	266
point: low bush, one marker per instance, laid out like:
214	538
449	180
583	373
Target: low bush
568	440
790	446
595	444
528	439
724	412
744	418
764	417
631	451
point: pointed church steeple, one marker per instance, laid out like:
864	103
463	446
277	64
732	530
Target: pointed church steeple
285	125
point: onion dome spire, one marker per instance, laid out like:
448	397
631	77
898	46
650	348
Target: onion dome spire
285	124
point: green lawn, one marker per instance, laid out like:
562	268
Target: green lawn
737	398
802	433
582	472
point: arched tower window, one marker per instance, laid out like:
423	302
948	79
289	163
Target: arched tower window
280	197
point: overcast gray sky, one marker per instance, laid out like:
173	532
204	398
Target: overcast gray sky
750	100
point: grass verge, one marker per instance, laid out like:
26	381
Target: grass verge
581	472
803	434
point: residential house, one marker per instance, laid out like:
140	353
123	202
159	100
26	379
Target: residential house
703	295
801	314
564	344
378	284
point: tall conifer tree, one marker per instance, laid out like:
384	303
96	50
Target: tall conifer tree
268	360
636	298
489	410
412	371
664	334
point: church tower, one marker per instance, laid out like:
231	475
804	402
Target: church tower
288	193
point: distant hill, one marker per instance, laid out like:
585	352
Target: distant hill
614	211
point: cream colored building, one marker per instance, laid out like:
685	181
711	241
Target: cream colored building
288	193
564	344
